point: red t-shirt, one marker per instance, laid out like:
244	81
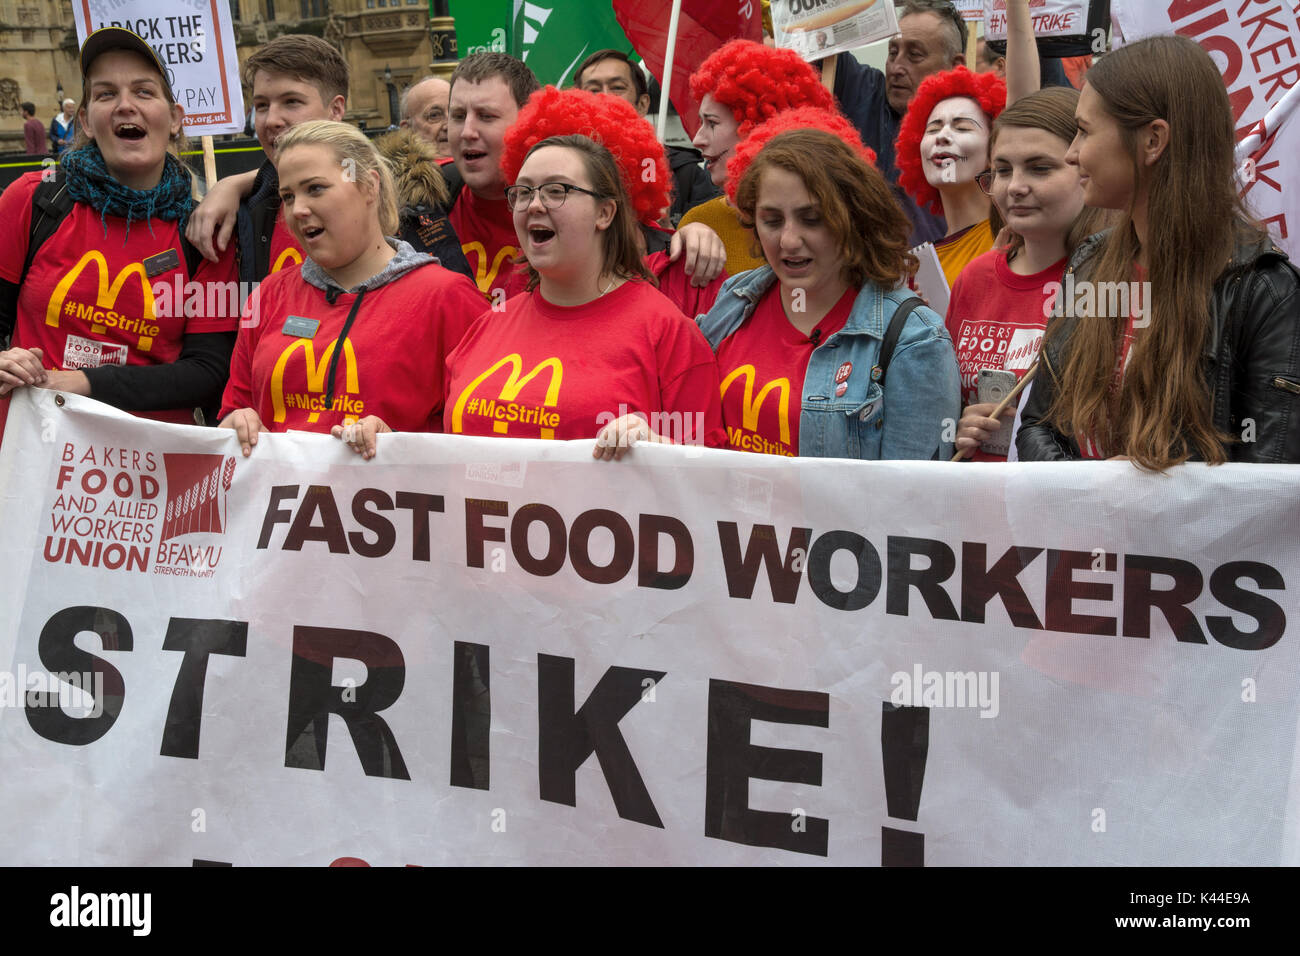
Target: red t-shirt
676	284
100	293
762	365
486	229
392	361
996	320
285	251
537	370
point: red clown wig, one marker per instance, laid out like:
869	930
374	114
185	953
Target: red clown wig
804	117
986	89
756	82
610	121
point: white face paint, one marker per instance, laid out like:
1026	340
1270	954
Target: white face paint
955	147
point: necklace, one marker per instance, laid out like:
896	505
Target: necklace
612	280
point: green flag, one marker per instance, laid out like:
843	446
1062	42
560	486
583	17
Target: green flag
482	25
555	36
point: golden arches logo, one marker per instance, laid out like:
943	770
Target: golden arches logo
485	275
282	261
316	372
514	384
750	405
105	294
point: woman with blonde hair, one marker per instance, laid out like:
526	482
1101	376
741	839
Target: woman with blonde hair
373	319
1202	359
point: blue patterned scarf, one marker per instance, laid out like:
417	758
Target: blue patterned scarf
89	181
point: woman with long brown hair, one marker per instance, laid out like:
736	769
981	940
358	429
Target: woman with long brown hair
1179	337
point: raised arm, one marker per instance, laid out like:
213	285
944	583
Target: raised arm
1023	75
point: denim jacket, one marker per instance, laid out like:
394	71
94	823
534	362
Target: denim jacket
914	416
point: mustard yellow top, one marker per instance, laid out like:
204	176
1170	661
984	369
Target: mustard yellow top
725	221
955	252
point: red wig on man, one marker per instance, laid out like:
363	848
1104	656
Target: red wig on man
804	117
756	82
610	121
986	89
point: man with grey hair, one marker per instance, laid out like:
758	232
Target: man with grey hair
424	111
63	128
931	38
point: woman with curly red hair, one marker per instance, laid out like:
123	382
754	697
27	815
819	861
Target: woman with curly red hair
738	87
643	168
943	145
822	352
592	349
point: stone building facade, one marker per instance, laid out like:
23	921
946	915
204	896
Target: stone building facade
38	50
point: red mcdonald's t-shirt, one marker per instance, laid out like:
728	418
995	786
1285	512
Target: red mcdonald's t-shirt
537	370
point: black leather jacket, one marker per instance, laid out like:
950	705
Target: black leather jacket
1252	361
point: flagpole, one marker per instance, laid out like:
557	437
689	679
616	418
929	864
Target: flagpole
667	85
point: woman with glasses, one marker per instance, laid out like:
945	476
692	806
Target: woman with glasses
642	165
352	342
943	144
592	348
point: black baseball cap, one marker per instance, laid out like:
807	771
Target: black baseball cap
119	38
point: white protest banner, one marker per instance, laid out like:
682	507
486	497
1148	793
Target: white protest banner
502	651
816	29
1257	48
970	9
1050	18
196	44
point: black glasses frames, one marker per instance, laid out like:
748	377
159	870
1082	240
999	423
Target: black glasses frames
553	195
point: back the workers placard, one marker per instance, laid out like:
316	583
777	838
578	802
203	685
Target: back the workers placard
194	41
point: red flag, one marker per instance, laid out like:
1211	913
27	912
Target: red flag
703	26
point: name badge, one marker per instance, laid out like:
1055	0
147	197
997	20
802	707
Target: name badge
163	262
301	328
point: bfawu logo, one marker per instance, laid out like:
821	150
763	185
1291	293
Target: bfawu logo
73	909
197	490
196	494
